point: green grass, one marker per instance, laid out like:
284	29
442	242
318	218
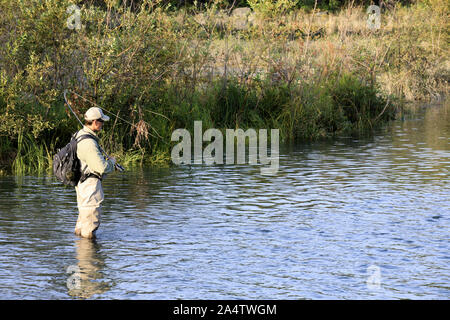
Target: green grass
31	156
306	111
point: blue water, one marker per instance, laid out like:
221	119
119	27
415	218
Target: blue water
349	218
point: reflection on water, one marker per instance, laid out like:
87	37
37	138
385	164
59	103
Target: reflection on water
88	270
339	217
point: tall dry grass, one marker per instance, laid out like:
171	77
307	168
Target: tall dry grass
407	56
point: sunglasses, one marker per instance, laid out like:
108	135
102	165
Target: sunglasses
100	120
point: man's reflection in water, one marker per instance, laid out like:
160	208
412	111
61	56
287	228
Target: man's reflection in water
90	264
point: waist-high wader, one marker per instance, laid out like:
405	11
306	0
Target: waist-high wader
89	199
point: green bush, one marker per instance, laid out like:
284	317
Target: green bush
138	64
361	103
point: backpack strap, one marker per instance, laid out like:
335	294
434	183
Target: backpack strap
84	176
85	136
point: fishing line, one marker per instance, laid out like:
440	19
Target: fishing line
126	121
118	166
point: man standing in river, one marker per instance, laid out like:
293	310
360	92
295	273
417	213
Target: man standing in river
94	167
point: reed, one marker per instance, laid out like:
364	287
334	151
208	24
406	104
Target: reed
31	156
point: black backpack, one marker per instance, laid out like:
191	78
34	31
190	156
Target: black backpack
66	165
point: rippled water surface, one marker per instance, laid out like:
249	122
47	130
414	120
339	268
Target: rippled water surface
344	219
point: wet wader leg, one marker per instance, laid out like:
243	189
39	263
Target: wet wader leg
89	198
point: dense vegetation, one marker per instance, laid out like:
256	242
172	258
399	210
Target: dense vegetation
160	65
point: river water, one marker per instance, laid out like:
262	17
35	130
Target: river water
349	218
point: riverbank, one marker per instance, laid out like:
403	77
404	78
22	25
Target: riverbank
313	75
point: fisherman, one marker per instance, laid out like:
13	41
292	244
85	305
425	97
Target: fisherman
94	167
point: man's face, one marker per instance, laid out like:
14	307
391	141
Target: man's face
97	125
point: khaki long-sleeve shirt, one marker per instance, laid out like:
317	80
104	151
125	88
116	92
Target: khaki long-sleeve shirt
90	155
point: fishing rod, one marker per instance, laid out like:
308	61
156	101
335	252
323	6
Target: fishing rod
126	121
117	166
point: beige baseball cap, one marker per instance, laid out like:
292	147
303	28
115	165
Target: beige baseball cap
95	113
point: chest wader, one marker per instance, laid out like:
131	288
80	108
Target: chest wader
89	199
